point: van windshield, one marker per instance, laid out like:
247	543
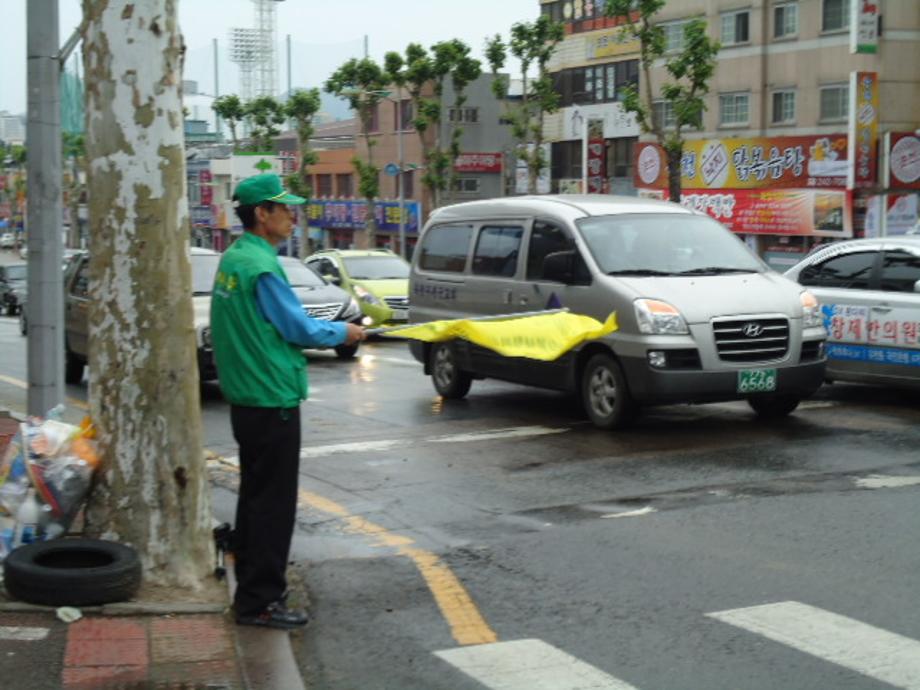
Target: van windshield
666	244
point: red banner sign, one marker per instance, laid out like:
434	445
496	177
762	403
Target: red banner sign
824	213
597	157
478	163
207	192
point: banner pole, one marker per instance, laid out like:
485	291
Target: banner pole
494	317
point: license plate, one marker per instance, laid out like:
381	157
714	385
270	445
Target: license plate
756	380
400	314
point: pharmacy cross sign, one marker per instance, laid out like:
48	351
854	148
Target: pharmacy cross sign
263	165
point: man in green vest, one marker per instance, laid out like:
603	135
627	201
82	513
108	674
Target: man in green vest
259	330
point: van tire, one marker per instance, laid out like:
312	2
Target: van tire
73	367
604	394
449	380
773	406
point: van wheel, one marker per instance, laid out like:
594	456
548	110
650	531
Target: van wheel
448	379
604	394
346	351
73	367
773	406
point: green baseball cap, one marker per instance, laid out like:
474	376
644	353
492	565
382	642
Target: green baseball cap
258	188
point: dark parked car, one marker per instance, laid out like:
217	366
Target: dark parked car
12	287
322	300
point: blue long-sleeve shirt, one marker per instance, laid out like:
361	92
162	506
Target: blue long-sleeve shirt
280	307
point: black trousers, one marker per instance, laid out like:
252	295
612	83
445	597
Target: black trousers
269	441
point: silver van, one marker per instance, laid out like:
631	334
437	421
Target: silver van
701	318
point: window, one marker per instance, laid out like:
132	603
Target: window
835	15
545	239
848	271
466	185
408	184
900	271
621	153
834	102
497	251
785	20
343	185
373	124
733	108
735	27
783	107
324	185
663	112
674	36
467	115
403	114
596	84
444	248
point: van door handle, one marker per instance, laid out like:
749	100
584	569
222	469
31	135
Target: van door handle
507	296
882	309
522	300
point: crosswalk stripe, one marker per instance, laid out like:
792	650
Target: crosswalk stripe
22	633
871	651
528	665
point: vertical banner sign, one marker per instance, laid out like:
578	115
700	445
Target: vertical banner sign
863	129
597	157
864	16
207	192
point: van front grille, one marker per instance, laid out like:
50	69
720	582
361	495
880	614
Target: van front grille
323	312
751	340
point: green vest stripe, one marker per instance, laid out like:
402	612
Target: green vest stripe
256	367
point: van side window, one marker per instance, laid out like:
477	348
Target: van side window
497	250
545	239
900	271
444	248
847	271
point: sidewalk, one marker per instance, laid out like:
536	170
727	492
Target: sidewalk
140	644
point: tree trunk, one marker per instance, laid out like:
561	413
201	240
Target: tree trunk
674	157
151	490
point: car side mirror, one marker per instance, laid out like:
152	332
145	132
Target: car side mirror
559	266
917	286
332	278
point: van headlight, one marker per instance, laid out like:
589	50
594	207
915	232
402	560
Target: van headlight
367	296
811	311
659	318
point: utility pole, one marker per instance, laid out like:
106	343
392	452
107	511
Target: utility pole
216	91
43	134
402	172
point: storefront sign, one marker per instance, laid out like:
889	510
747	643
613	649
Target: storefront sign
864	15
824	213
863	134
617	122
351	215
900	218
611	44
206	190
904	161
755	163
478	163
597	157
860	325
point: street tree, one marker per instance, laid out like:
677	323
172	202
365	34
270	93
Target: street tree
230	109
151	488
265	116
690	71
533	44
302	106
363	84
424	76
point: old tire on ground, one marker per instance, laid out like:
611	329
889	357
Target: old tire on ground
73	367
604	393
72	572
449	380
773	406
346	351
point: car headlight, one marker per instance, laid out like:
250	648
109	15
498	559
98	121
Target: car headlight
206	337
811	311
351	309
659	318
366	296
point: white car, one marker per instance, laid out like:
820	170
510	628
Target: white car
7	241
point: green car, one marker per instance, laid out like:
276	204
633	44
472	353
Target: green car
377	278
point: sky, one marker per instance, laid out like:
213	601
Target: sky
324	34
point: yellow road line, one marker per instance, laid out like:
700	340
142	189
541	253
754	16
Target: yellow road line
466	623
25	386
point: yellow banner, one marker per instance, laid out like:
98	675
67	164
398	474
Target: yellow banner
545	336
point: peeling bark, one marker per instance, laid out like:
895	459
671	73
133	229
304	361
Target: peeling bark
151	490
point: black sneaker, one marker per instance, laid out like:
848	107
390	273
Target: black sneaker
275	615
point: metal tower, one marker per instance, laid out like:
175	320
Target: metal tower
253	49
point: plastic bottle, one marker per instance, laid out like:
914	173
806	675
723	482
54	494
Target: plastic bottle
27	518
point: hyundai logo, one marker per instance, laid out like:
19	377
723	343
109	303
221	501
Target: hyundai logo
752	330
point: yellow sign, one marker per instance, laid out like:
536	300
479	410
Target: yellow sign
544	336
611	44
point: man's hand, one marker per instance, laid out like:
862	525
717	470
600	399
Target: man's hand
354	333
